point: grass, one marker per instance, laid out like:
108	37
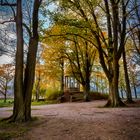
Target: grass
8	103
13	130
44	102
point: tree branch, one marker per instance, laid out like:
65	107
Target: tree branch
7	3
7	21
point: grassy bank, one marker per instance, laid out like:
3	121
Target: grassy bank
8	103
13	130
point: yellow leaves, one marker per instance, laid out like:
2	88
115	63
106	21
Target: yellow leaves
104	33
100	74
52	57
53	33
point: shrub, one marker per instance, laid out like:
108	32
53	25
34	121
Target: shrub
53	94
98	96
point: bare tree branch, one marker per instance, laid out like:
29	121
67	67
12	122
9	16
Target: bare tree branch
6	3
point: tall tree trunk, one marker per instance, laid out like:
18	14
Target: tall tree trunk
86	87
18	110
23	91
134	87
86	91
135	91
5	98
114	99
117	100
115	50
62	76
31	61
38	87
29	76
122	92
37	92
5	93
128	89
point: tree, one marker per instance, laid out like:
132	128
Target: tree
6	75
115	14
23	87
76	54
40	81
81	55
128	89
54	58
134	25
130	71
7	31
134	77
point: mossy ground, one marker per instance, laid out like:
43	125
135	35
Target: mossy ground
13	130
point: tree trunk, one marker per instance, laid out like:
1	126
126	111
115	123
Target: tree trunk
18	110
128	89
38	88
5	98
122	92
62	76
117	99
29	76
86	87
134	86
37	95
23	93
86	91
5	93
135	91
114	99
97	84
31	61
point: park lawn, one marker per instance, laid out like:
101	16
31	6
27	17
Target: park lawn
10	130
8	103
34	103
13	130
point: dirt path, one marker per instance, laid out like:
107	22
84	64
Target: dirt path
83	121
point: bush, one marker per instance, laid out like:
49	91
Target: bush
53	94
98	96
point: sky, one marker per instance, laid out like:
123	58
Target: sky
4	59
10	34
6	34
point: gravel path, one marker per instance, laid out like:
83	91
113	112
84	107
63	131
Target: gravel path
82	121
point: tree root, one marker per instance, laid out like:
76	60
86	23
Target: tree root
119	104
130	102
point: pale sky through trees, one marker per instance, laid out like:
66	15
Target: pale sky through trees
5	59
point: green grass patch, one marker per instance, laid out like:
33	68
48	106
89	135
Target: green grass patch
13	130
8	103
35	103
